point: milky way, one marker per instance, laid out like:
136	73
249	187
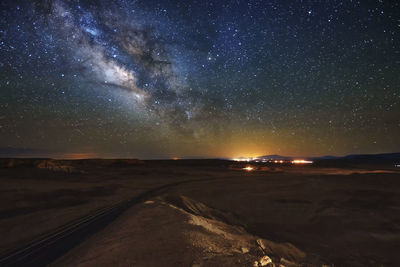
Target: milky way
112	49
199	78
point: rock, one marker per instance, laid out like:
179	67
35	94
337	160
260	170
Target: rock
264	261
245	250
260	243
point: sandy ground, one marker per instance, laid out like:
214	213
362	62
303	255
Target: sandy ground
299	215
177	231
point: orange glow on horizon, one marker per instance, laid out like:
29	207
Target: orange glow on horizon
77	156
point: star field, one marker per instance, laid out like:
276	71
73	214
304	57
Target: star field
155	79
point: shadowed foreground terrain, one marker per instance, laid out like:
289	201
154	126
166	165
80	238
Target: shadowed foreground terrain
210	213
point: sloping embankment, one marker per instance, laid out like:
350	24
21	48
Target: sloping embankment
178	231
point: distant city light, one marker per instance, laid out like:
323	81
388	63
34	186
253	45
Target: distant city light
302	161
248	168
276	161
243	159
259	160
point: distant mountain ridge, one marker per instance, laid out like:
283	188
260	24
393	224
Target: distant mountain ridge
276	157
382	156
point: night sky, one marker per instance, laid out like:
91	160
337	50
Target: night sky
169	78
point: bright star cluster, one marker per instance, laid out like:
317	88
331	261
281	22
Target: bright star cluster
156	79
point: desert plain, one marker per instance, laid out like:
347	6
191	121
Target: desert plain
206	212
